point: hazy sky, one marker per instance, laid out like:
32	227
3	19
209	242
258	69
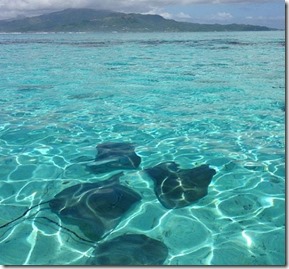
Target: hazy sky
258	12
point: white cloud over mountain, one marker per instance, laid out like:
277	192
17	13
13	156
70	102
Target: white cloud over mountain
12	8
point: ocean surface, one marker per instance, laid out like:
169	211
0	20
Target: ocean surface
189	98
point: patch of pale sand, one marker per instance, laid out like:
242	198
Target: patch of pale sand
235	253
14	247
242	205
26	244
269	243
183	233
239	179
258	245
274	215
200	256
255	232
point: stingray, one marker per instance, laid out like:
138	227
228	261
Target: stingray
130	249
176	188
96	208
111	156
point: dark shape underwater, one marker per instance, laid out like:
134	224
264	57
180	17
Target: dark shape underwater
177	187
96	208
130	249
111	156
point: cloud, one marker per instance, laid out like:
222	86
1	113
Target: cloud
182	15
223	16
12	8
159	11
8	8
178	16
266	18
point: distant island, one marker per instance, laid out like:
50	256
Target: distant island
90	20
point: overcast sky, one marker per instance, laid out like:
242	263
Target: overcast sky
257	12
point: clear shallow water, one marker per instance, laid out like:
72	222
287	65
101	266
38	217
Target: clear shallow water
192	98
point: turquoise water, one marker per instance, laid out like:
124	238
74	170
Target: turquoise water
192	98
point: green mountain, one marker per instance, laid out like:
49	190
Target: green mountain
89	20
